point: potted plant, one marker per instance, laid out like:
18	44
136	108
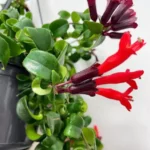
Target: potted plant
40	61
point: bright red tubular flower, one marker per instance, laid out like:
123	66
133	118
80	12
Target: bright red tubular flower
93	10
97	132
126	49
124	98
120	77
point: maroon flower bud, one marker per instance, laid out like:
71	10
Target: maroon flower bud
112	5
113	35
87	87
86	74
93	9
123	7
121	26
127	15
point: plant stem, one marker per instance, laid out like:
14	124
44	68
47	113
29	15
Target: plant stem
64	83
87	145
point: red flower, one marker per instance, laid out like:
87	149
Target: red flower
120	77
97	132
93	10
124	52
124	98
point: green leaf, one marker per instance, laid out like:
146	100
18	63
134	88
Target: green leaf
41	37
99	144
22	77
89	135
74	127
22	111
94	27
37	88
99	41
10	22
15	49
55	77
52	143
21	24
63	46
64	14
74	57
40	147
12	13
32	133
75	17
4	52
87	120
59	27
54	122
28	15
63	71
41	64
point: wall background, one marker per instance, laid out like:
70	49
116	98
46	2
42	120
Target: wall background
120	129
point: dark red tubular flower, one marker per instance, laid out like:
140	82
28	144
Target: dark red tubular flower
126	49
87	87
119	18
85	74
120	77
114	35
130	23
124	98
121	10
111	7
93	9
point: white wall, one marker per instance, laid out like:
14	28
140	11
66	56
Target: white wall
120	129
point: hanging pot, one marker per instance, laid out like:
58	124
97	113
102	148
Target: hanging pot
12	129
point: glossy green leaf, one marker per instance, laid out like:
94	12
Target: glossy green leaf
99	41
87	120
94	27
32	133
52	143
41	37
36	87
28	15
74	127
74	57
23	38
54	122
12	13
59	27
46	26
10	22
55	77
22	111
61	57
89	135
4	52
64	14
99	144
15	49
75	17
41	147
63	71
24	22
41	64
22	77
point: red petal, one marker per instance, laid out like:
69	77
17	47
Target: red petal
125	40
126	103
133	84
138	45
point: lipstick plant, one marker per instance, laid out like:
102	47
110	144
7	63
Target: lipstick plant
50	91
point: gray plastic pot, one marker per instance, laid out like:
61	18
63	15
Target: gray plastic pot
12	129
